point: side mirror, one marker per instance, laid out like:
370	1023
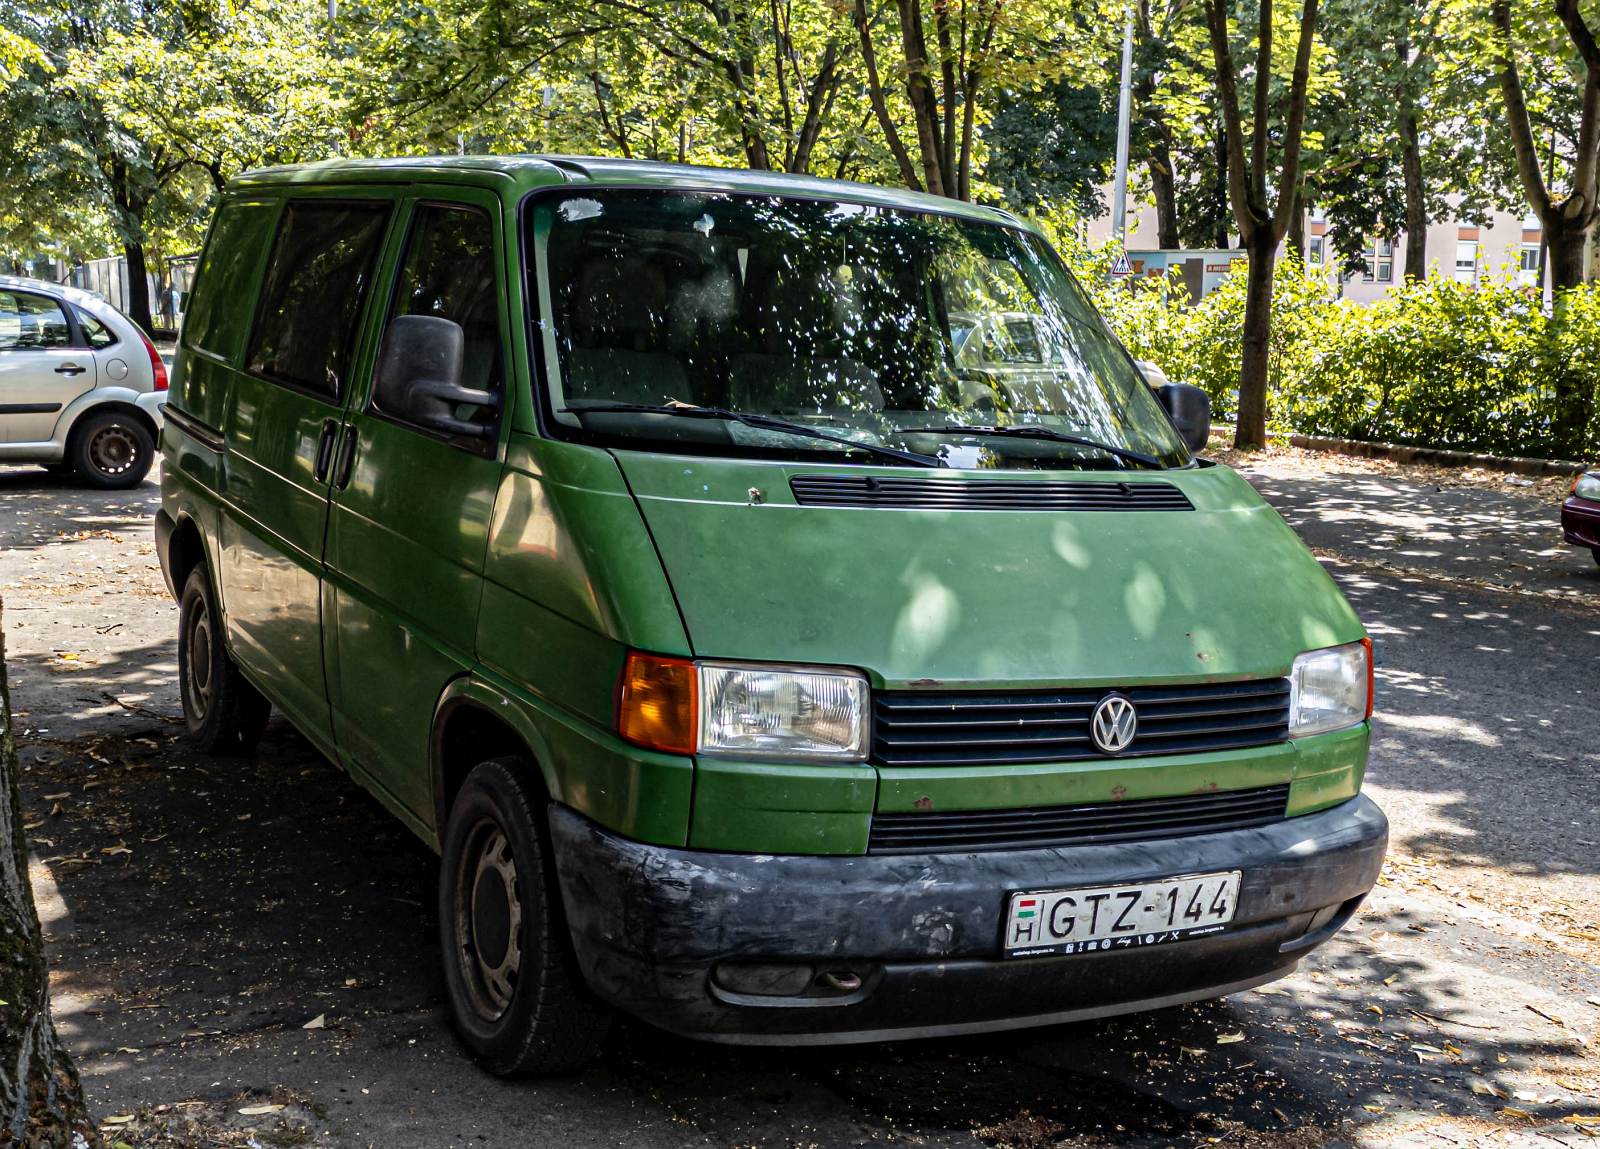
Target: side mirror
1153	375
419	376
1189	408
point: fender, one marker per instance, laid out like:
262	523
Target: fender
470	690
147	402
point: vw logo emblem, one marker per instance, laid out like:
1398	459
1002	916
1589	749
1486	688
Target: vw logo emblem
1114	724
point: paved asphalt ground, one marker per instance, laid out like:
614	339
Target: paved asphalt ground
202	913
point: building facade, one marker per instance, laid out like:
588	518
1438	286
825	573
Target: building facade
1504	247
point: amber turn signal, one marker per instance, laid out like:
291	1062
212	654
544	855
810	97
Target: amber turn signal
656	704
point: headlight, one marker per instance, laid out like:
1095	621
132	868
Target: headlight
1587	486
1330	689
743	710
767	712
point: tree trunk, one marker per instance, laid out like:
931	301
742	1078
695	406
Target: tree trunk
1161	182
1251	431
39	1091
1566	251
1411	169
1574	403
1219	186
137	305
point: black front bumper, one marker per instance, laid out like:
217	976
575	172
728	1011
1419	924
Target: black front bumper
762	949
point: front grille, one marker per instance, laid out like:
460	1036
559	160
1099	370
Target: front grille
923	728
985	494
1145	819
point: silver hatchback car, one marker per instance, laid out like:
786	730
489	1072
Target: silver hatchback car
81	387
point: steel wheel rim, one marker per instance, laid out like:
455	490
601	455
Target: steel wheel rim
488	920
198	672
113	450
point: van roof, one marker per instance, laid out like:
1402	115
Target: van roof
527	172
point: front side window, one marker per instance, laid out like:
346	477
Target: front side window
31	322
448	272
316	280
889	328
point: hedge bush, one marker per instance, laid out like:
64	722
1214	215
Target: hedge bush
1436	363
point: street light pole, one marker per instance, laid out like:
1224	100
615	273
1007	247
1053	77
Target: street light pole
1119	195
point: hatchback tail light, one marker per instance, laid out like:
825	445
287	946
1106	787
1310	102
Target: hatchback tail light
157	368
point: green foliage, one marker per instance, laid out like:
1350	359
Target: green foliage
1441	364
1053	145
1433	364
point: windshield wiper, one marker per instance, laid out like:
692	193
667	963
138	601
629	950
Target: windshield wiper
1034	431
763	422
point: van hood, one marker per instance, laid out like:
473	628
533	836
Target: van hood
1002	598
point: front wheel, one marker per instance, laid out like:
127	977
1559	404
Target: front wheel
111	451
519	1002
224	713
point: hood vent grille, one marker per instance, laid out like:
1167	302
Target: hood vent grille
984	494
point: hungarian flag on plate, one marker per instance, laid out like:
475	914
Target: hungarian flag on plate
1028	908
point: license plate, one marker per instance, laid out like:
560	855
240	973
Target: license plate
1098	918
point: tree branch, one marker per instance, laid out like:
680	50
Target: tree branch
1522	142
1244	210
880	107
1262	111
1288	184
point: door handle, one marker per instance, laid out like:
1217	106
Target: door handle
330	428
70	369
347	460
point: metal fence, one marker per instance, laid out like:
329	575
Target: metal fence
108	278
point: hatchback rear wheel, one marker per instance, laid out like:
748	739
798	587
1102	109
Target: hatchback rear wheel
111	450
519	1002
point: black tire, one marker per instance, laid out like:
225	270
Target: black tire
531	1012
224	713
111	450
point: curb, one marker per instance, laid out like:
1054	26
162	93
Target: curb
1437	456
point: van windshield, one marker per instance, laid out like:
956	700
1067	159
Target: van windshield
923	333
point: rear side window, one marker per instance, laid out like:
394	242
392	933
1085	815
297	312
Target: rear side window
222	282
30	322
317	277
448	271
95	333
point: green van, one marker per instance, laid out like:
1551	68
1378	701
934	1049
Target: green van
782	603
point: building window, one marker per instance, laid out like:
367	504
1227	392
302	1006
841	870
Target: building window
1379	260
1528	270
1314	250
1467	262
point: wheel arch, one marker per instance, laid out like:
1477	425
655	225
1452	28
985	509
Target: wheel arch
475	721
99	403
183	550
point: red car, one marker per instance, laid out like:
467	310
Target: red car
1580	514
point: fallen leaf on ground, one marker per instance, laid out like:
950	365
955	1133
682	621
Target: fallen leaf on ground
260	1110
318	1022
1229	1038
